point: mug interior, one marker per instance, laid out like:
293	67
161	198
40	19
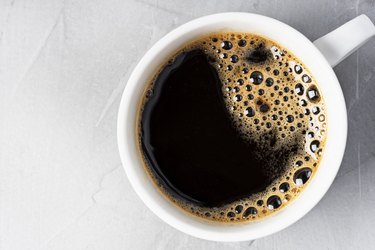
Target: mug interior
289	38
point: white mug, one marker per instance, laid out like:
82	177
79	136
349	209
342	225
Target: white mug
319	57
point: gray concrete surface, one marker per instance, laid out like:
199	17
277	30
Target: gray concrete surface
63	67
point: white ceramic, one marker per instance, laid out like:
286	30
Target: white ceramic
319	58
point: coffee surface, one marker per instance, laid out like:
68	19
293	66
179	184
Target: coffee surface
232	127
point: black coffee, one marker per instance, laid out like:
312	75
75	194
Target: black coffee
232	127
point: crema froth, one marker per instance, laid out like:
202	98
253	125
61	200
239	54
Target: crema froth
232	127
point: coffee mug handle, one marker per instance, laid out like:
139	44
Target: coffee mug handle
341	42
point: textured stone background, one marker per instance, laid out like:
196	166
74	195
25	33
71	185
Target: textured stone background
63	67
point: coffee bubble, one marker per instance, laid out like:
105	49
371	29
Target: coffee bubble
226	45
313	94
238	98
242	43
238	209
234	59
264	107
298	69
250	211
284	187
240	82
306	78
303	103
231	214
299	163
302	176
314	146
315	110
269	82
289	118
299	89
274	202
256	77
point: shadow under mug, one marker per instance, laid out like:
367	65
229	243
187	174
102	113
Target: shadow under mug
319	56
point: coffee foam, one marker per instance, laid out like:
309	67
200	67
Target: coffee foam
268	92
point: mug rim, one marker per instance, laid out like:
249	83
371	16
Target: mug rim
304	202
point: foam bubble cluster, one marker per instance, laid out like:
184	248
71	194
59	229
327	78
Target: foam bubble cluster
268	91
